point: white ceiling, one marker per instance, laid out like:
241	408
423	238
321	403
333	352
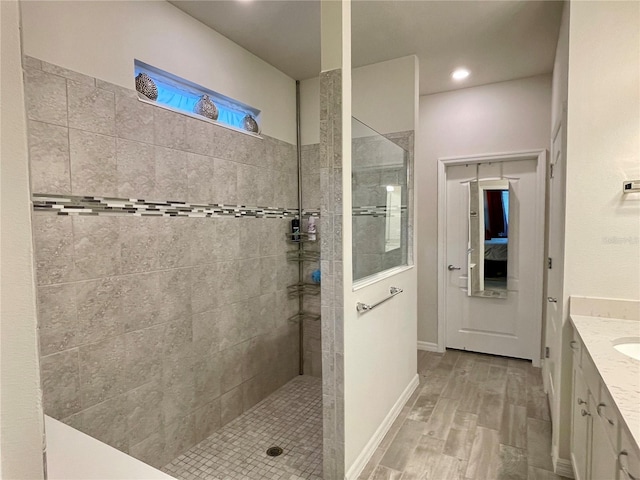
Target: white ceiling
495	40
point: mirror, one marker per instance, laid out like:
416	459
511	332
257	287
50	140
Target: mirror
380	202
488	249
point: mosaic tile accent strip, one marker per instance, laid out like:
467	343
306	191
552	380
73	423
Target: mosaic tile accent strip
290	418
374	211
85	205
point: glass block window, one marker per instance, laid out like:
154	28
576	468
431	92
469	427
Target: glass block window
179	94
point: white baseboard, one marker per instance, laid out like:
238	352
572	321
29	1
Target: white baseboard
356	468
428	346
564	467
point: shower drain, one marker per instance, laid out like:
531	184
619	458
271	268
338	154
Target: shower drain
274	451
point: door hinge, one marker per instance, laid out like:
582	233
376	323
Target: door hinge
546	352
551	170
549	263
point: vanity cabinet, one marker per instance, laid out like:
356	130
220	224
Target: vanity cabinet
581	425
601	449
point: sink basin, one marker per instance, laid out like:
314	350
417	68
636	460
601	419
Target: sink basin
629	346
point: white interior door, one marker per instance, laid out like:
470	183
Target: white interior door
510	326
554	272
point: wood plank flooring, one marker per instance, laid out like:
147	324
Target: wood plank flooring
473	417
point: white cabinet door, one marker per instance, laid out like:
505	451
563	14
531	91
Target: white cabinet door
629	458
580	428
603	459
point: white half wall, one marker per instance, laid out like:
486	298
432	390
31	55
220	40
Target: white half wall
21	417
102	38
501	117
381	98
602	229
380	361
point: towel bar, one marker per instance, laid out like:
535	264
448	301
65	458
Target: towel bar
365	307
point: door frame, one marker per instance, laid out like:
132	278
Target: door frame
541	170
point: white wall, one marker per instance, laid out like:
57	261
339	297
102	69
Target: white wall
602	229
21	420
102	38
382	95
500	117
380	346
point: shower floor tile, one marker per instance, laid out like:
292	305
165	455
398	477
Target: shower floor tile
290	418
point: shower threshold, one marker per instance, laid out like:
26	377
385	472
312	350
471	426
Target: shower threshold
289	418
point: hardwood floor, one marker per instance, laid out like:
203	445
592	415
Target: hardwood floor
473	417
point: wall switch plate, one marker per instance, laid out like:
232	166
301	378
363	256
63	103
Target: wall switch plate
629	186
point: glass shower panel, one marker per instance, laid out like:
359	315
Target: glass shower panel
380	202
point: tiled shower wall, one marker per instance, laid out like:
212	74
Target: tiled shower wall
155	331
310	174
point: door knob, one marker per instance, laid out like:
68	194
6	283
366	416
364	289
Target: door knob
552	300
451	267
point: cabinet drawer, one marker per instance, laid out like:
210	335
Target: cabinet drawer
607	413
629	458
576	347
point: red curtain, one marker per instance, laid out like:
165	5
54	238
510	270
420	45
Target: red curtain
495	223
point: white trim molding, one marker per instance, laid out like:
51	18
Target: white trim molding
367	452
541	168
429	347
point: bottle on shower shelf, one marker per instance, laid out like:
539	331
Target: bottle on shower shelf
295	230
311	229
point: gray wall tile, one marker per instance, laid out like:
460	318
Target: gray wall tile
93	164
171	174
136	169
248	184
200	172
199	136
96	250
140	300
144	411
231	405
53	245
45	97
143	356
107	422
169	129
139	241
57	318
180	435
151	450
98	309
206	334
49	158
60	376
134	119
91	109
70	74
208	420
226	180
207	379
31	63
174	243
102	371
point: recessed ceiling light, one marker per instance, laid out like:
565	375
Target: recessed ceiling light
460	74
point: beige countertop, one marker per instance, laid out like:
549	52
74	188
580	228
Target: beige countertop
619	373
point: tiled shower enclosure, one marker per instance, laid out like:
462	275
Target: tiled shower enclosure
158	325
